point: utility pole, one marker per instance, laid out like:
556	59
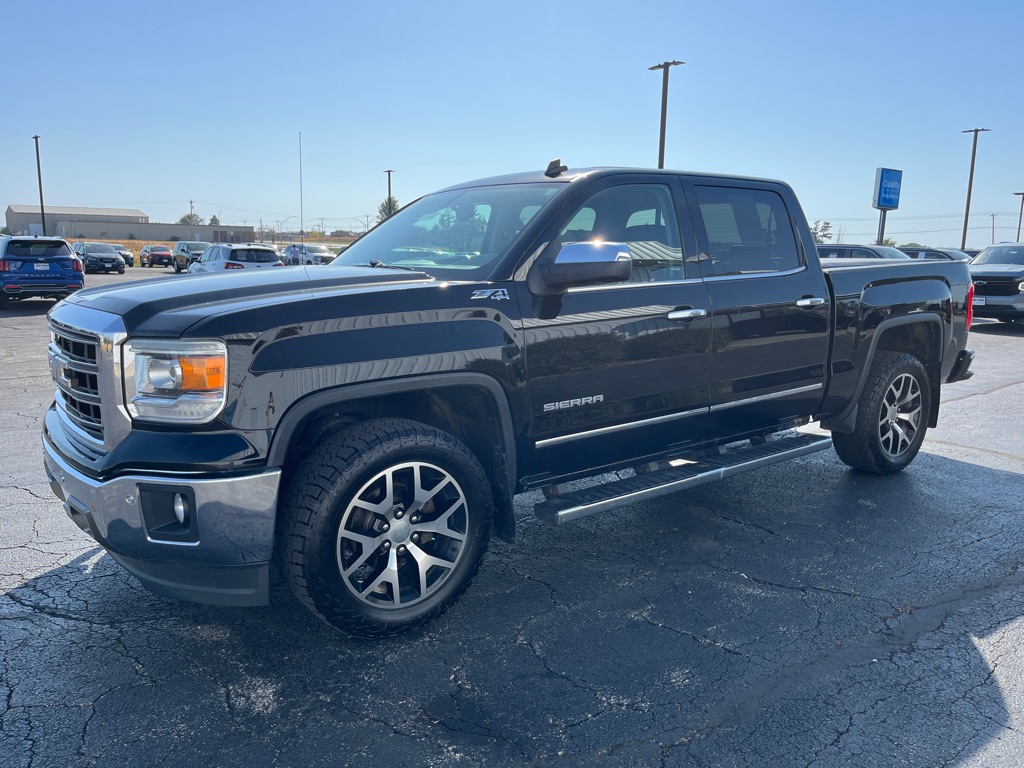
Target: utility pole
390	210
970	180
993	215
664	67
191	213
39	173
1021	216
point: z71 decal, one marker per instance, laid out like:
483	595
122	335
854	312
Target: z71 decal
497	294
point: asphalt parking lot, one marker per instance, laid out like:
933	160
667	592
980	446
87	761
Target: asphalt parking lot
801	615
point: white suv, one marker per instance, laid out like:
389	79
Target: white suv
223	256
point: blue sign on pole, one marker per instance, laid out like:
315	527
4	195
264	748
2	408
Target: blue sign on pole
887	189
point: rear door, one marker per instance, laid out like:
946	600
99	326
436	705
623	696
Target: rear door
771	306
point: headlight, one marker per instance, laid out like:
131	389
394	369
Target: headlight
179	382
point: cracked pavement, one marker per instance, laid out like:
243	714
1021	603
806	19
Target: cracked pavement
800	615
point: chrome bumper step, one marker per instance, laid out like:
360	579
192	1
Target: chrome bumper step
649	485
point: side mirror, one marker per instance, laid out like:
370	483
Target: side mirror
588	263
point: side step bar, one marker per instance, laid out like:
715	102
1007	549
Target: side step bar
617	493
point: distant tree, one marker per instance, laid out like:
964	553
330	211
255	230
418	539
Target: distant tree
890	242
385	209
214	221
822	231
192	219
5	231
913	245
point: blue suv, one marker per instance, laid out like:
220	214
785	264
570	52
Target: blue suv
38	266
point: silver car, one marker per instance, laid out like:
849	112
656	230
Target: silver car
222	256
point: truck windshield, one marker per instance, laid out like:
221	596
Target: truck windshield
457	235
1001	254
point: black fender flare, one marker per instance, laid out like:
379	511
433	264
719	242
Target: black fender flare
296	415
845	421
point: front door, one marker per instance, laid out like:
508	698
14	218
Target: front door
619	372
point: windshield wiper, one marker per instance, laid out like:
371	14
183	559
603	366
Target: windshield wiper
381	265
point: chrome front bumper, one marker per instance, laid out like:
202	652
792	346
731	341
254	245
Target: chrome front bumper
216	549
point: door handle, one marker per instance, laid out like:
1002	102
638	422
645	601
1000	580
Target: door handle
813	301
687	314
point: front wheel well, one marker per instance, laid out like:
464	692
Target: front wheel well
468	413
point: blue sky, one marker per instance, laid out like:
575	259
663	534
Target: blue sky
150	105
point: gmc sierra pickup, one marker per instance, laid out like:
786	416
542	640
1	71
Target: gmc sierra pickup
368	423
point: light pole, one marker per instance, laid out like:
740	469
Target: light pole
302	219
1021	216
389	172
970	180
664	67
281	222
39	173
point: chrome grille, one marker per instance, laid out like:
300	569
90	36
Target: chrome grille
74	365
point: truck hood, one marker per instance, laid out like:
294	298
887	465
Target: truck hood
997	270
184	300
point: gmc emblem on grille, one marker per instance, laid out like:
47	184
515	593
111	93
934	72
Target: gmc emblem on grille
58	371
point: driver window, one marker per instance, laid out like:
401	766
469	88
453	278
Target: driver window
640	215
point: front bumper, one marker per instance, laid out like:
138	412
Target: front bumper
999	307
219	554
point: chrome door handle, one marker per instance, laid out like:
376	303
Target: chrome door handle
814	301
687	314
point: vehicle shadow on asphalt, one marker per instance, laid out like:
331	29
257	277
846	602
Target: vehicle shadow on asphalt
996	328
802	612
26	308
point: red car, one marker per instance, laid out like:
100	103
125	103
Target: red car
155	255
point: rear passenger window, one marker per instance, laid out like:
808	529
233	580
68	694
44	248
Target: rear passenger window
748	231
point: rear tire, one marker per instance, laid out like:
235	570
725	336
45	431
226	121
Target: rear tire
384	526
892	416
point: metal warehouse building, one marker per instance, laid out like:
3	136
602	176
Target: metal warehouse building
116	224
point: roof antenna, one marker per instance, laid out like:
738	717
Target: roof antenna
555	168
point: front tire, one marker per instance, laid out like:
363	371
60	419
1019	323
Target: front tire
384	526
892	416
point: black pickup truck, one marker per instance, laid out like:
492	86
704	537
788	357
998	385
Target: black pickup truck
603	335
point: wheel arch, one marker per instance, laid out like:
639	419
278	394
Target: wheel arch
921	335
472	407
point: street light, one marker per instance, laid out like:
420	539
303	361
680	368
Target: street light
970	180
1021	216
664	67
39	173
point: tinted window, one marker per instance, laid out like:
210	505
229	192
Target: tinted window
252	255
748	231
24	248
863	253
640	215
831	252
99	248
